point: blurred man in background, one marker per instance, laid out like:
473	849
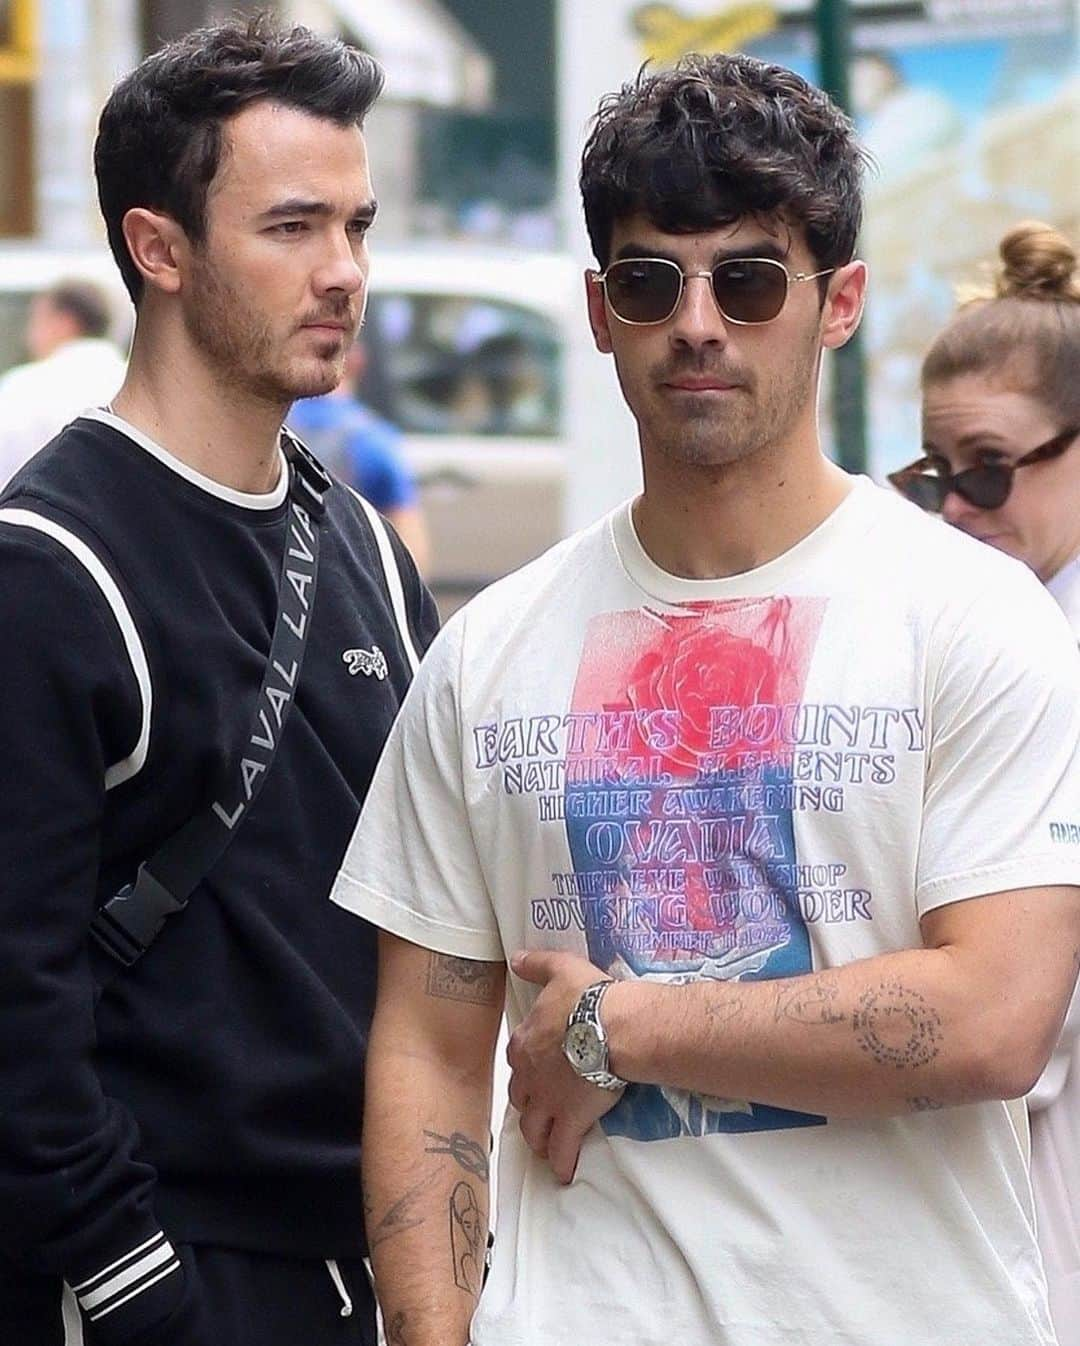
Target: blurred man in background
364	450
72	366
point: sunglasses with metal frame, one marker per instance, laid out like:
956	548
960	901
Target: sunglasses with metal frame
645	291
986	485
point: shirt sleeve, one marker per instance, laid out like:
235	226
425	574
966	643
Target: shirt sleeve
75	1196
1002	796
412	866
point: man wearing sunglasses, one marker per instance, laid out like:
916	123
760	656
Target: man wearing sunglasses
720	779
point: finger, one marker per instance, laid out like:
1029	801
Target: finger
519	1095
536	1127
563	1148
536	965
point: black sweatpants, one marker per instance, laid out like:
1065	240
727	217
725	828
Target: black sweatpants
239	1299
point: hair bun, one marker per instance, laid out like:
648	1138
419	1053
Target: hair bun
1038	262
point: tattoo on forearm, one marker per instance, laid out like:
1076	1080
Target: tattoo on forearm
810	1002
395	1330
724	1006
467	1239
402	1215
468	1153
463	979
925	1104
897	1026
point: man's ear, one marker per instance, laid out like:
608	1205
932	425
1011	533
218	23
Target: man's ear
843	304
157	245
598	314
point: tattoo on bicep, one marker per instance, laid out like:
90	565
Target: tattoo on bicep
897	1026
810	1002
395	1330
402	1215
467	1239
463	979
470	1154
925	1104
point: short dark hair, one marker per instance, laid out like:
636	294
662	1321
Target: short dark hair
160	134
717	138
82	300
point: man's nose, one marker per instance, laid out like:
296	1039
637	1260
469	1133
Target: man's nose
343	268
698	321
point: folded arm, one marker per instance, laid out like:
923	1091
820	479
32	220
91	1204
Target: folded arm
971	1015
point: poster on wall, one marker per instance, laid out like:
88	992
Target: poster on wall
969	108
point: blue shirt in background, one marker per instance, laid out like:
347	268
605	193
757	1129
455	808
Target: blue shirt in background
357	446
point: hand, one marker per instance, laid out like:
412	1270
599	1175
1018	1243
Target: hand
557	1107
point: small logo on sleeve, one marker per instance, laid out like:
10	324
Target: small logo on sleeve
372	663
1065	834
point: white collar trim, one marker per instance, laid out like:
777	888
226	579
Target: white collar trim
247	500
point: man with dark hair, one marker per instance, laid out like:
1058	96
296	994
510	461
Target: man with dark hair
207	640
72	366
720	778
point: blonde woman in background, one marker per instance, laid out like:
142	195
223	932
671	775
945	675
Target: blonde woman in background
1001	438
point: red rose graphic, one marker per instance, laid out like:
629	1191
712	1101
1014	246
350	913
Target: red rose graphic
700	665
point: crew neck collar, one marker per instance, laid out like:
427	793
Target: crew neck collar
789	566
245	499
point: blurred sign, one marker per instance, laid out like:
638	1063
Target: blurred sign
667	32
18	26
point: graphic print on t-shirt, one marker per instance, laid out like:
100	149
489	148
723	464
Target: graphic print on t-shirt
680	812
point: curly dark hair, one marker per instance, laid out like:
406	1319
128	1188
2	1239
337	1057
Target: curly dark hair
160	134
718	138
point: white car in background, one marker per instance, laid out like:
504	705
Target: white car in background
465	354
466	350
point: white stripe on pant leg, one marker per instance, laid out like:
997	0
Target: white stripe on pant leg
72	1319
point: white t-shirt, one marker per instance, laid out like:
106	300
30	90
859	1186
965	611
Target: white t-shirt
38	399
743	778
1055	1105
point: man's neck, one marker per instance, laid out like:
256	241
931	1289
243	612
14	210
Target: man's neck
171	396
714	522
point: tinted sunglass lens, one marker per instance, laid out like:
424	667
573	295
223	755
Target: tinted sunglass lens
643	291
925	490
985	487
749	291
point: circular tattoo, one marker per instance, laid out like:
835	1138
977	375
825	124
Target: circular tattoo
897	1026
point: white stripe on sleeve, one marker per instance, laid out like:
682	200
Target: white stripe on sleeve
25	518
393	578
133	1273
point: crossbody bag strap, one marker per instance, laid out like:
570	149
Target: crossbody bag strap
126	926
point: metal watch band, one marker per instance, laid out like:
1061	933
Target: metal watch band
587	1010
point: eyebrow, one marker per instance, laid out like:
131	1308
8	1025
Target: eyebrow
299	205
976	439
762	249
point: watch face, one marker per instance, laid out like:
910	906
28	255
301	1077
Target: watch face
583	1048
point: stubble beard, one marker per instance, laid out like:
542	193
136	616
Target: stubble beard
744	425
239	343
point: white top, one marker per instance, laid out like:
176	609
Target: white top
1055	1105
38	399
741	778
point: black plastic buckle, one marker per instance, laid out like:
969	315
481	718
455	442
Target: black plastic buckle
131	920
309	481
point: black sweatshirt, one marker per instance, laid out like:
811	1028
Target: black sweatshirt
214	1095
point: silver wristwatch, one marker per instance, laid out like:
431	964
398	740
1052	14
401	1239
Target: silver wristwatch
585	1042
